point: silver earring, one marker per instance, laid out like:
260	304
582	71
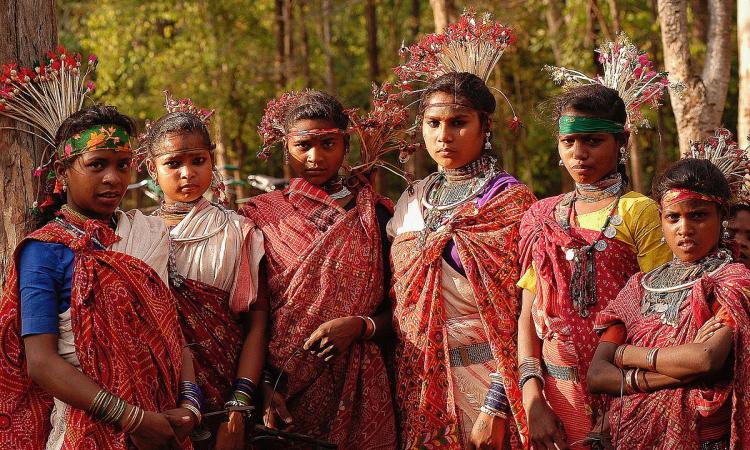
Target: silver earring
725	232
663	240
487	143
64	186
623	155
560	163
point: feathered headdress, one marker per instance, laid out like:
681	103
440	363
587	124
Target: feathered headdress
385	129
627	70
474	44
733	161
42	97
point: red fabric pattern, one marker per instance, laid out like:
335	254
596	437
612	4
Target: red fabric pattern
215	338
672	415
127	341
325	263
486	240
568	338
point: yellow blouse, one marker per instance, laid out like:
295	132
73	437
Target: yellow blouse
640	230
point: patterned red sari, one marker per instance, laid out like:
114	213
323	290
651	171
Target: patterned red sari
667	418
486	240
324	263
568	339
214	335
127	341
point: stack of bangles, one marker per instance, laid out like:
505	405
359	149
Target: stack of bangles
109	408
496	402
191	398
244	393
635	381
368	327
530	368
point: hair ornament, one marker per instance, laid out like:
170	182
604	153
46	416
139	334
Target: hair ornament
723	152
42	97
384	129
474	44
630	72
271	128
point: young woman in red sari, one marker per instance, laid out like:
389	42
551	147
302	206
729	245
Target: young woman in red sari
674	350
90	344
578	251
455	262
214	256
326	269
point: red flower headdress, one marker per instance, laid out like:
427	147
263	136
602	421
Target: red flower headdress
42	97
627	70
474	44
271	128
732	160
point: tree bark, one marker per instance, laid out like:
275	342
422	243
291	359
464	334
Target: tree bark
305	43
743	44
414	19
444	12
328	47
28	28
371	23
280	33
290	62
698	111
614	12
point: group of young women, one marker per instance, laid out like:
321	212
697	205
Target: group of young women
469	315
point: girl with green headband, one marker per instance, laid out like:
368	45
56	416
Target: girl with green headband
578	250
90	346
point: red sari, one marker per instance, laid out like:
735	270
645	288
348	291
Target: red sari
486	240
323	263
127	341
569	340
668	418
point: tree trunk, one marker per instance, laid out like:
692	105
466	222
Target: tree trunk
414	19
371	23
280	59
698	111
328	47
614	12
290	62
28	28
636	166
743	43
305	38
443	12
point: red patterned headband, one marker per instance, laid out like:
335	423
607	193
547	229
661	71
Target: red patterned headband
674	196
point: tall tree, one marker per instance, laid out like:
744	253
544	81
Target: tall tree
743	44
328	46
444	12
371	23
28	28
698	111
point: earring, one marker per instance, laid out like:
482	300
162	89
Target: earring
663	240
64	185
286	156
623	155
487	143
724	231
560	163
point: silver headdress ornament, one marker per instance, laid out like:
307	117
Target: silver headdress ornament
474	44
627	70
733	161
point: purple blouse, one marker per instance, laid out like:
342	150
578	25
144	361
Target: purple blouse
501	182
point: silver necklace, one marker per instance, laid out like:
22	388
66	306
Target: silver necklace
344	192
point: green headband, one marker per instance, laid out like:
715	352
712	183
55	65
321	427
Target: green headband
99	137
578	124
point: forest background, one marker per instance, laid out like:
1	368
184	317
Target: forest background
234	55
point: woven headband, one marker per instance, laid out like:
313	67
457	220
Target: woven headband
99	137
578	124
316	132
674	196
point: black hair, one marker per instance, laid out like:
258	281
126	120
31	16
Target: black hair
91	116
466	88
698	175
176	122
317	105
594	100
736	208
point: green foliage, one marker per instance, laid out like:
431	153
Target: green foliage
222	54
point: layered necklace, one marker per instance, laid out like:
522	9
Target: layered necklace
668	285
175	211
448	189
335	188
582	288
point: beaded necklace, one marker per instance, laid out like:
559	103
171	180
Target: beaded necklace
175	211
582	288
335	188
450	188
668	285
608	186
